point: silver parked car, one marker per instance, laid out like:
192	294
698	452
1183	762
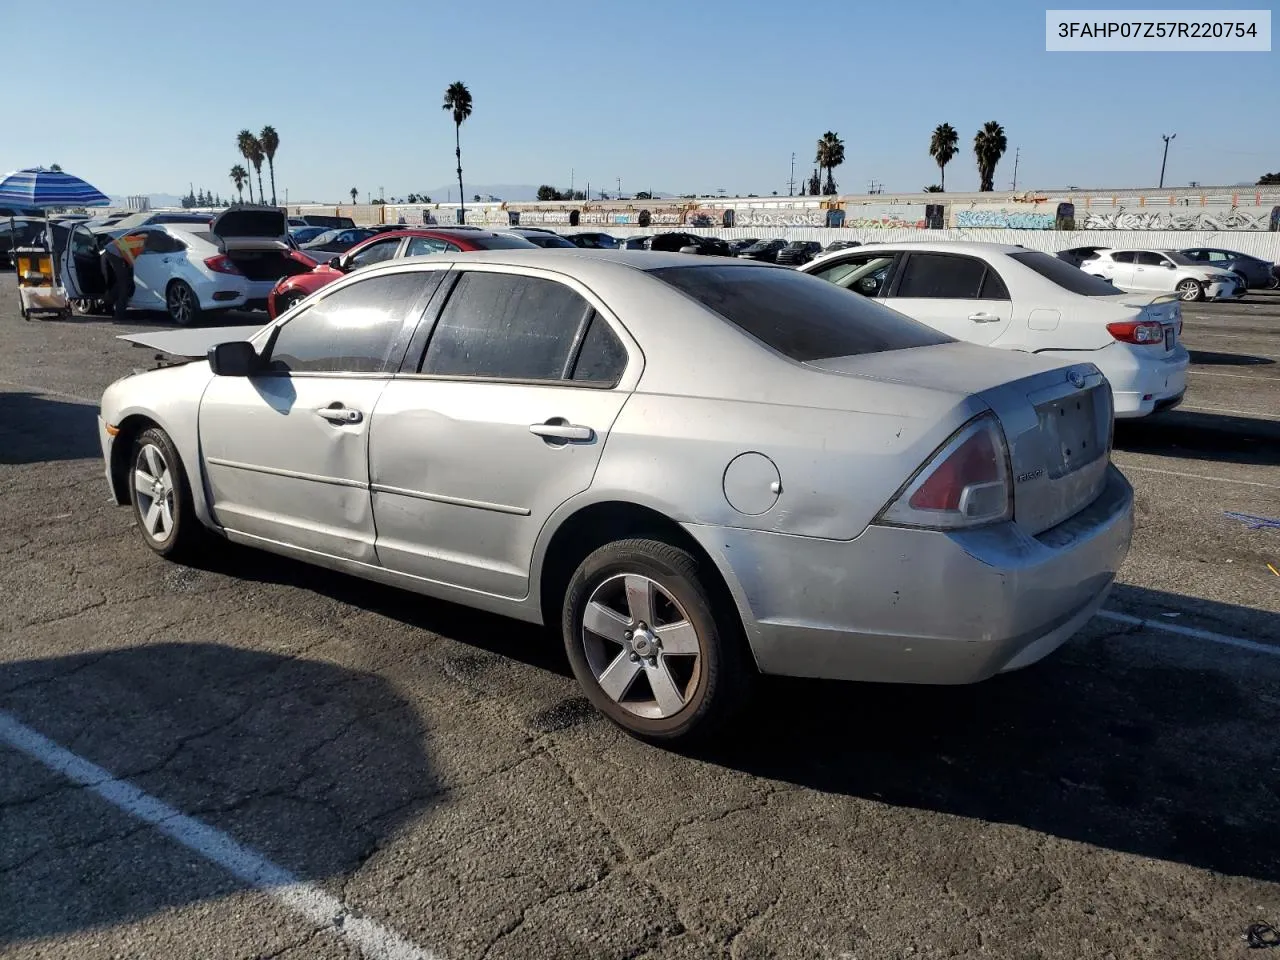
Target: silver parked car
700	469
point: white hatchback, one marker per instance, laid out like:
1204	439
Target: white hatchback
1018	299
1164	271
189	269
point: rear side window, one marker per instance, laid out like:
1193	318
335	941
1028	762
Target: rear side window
941	276
602	357
506	326
357	329
801	317
1124	256
1064	275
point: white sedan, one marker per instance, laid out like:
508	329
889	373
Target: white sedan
1007	296
187	269
1163	271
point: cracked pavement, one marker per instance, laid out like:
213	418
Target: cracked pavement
436	770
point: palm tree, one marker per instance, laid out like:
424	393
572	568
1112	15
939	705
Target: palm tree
354	193
942	147
270	141
830	155
246	143
989	145
239	176
933	188
457	98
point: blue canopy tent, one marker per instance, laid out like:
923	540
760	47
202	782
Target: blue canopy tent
41	189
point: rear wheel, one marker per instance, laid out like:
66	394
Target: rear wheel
1190	291
184	307
287	301
654	645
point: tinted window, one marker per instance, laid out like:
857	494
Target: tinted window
1069	278
422	246
501	243
799	316
993	287
1149	259
506	326
353	330
159	242
374	253
1123	257
602	357
941	276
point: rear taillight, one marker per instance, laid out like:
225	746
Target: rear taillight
966	483
1143	332
221	264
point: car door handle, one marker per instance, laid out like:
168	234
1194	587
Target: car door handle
560	429
984	318
340	415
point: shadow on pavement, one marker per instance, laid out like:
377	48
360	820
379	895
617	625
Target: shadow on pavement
40	428
1146	754
1212	359
309	763
1185	434
146	319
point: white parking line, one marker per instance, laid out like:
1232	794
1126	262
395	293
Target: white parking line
1124	465
1193	632
372	939
1233	376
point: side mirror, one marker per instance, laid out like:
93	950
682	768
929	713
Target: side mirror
689	249
1169	266
234	359
336	263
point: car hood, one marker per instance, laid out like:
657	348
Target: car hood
190	344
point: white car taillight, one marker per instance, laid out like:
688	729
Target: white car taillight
966	483
1142	332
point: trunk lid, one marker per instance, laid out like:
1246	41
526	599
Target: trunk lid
1056	417
251	228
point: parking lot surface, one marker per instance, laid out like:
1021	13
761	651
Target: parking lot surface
253	758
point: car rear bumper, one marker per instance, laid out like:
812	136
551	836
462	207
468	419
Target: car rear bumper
920	606
1144	379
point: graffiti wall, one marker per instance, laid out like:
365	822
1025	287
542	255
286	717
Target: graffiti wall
1174	218
1002	218
886	216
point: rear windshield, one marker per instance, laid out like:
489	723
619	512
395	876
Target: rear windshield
799	316
500	243
1069	278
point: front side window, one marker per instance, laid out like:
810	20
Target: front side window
1149	258
801	317
356	329
941	276
506	326
865	274
373	253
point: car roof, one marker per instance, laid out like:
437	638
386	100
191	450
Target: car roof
591	260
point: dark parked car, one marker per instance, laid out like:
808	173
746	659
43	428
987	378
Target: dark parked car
1255	271
593	241
766	251
18	232
737	246
835	245
636	243
548	241
338	241
322	220
302	235
1078	255
798	252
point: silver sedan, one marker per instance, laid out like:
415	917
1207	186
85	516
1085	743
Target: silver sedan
701	470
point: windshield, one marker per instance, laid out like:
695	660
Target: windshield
799	316
1069	278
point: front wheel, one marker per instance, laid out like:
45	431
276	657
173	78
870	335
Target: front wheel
1190	291
286	302
183	305
653	642
161	496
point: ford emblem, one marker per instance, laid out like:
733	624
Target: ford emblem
1076	379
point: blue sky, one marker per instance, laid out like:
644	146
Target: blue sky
672	95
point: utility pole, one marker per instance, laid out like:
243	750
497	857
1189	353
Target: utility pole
619	197
791	184
1165	159
1016	154
571	183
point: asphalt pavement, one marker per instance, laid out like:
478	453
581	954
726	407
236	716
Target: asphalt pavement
252	758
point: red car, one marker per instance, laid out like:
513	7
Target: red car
385	246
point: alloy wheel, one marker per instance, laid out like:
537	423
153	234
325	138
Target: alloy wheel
153	492
642	649
181	306
1189	290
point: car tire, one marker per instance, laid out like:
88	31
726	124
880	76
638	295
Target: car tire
163	506
685	671
1190	291
288	301
182	303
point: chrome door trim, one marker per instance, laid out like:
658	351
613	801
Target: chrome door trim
277	472
455	501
